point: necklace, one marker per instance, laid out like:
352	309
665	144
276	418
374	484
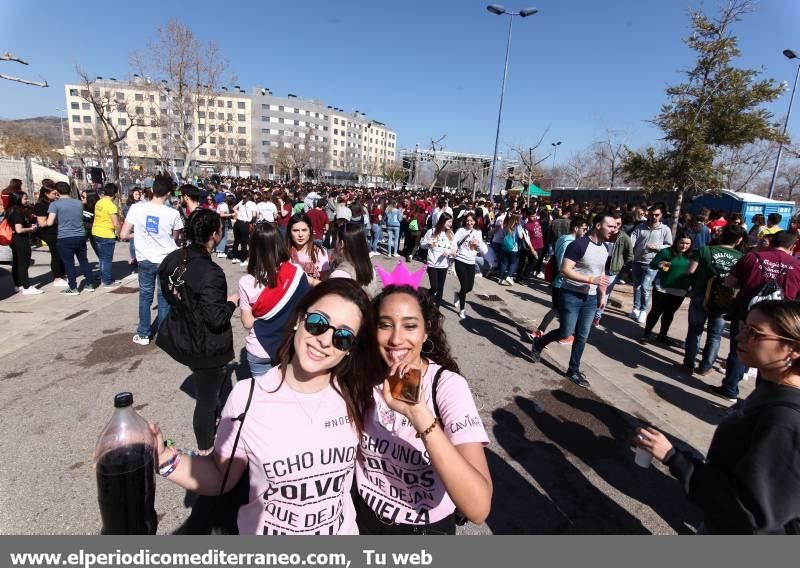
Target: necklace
303	408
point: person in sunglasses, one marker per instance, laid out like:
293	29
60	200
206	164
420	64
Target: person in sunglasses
750	481
419	462
298	425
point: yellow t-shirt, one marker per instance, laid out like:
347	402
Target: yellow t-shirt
103	226
765	232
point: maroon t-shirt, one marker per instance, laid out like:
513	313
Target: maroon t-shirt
376	215
284	221
318	221
535	234
777	264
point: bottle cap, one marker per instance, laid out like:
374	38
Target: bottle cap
123	399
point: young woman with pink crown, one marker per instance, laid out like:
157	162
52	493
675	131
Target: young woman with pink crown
421	467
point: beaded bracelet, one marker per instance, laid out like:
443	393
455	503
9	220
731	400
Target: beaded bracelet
429	429
167	468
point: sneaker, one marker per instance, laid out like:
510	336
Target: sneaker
722	393
60	283
540	275
462	314
510	281
664	340
235	261
535	334
567	340
18	288
222	255
684	367
31	291
375	253
536	353
642	317
645	338
479	275
70	292
139	340
596	322
90	287
702	372
634	315
114	285
579	379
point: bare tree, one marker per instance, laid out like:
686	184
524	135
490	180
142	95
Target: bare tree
584	169
7	56
319	157
189	77
393	172
742	165
438	162
610	152
790	173
107	108
281	163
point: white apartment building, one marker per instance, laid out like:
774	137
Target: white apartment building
222	119
257	133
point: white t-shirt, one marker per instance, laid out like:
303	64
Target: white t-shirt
246	212
267	211
223	209
301	450
153	227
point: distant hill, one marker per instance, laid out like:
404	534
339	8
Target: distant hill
46	127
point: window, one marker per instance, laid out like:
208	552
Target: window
139	110
280	121
336	152
336	131
231	141
87	119
230	128
280	132
280	108
230	104
240	104
336	121
201	114
138	97
324	128
220	104
142	148
297	123
240	117
86	106
75	106
153	136
213	151
242	130
201	102
212	127
264	107
140	135
73	92
264	119
213	139
77	131
87	132
242	141
123	121
230	116
335	142
154	149
203	151
265	142
163	98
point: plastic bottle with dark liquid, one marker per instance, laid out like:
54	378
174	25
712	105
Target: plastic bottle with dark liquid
124	465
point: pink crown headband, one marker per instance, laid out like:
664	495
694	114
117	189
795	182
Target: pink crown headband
400	276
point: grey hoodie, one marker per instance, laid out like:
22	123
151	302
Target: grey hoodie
643	236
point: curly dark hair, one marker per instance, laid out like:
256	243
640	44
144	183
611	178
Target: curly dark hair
440	354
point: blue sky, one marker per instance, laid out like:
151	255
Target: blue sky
425	68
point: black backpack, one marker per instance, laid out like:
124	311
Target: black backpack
769	290
459	516
717	298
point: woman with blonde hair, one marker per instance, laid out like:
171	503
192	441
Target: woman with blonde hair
749	482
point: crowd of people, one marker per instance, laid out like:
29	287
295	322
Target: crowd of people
325	339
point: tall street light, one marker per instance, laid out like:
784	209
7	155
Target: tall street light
555	146
790	55
500	11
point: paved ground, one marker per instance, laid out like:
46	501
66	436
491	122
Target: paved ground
559	455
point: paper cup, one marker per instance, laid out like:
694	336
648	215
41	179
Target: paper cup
643	458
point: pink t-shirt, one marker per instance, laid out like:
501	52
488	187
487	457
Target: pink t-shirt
248	294
393	472
301	468
313	270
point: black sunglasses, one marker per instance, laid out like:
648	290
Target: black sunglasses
317	324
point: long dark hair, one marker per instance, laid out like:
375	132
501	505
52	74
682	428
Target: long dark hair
443	218
267	253
15	204
351	235
358	371
200	226
48	185
440	354
311	246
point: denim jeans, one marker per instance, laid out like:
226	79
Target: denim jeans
223	243
258	365
132	249
377	234
612	279
393	232
643	277
508	263
148	285
697	321
734	369
106	257
576	312
69	248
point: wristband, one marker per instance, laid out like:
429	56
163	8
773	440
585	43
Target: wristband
170	466
429	429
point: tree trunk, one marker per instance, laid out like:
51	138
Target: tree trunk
115	164
677	213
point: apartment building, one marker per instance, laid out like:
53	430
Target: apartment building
222	121
245	133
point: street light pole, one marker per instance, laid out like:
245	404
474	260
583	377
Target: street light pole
530	177
555	146
790	55
499	11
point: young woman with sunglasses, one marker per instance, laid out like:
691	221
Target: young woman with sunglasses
420	461
750	481
311	257
300	434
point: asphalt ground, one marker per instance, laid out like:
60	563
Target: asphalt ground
559	455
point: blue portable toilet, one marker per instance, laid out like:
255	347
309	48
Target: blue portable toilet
748	204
